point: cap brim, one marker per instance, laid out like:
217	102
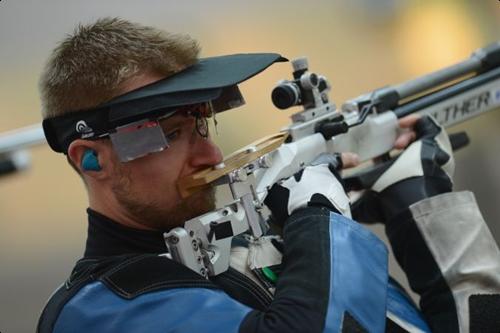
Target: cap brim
201	82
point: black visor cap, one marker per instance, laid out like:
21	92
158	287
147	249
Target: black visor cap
201	82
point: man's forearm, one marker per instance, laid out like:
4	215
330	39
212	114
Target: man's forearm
445	248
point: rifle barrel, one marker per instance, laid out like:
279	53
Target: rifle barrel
21	138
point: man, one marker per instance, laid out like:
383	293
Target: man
128	105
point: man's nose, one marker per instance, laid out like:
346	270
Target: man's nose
205	153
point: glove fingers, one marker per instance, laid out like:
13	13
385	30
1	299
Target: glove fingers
427	127
320	179
436	148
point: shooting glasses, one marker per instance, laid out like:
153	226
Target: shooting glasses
149	135
133	121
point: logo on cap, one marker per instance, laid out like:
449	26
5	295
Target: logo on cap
83	128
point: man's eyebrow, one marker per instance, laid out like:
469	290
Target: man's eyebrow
172	121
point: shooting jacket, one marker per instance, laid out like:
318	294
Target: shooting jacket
327	274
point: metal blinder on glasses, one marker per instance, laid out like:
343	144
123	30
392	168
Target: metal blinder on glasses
146	136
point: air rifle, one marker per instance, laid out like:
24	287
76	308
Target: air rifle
366	125
13	145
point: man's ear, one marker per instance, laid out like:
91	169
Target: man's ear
89	158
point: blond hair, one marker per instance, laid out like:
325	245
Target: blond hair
88	67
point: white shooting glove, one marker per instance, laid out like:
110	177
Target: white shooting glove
316	185
423	170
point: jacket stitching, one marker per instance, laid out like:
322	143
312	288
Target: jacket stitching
254	291
156	285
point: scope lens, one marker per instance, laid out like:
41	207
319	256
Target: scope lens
285	96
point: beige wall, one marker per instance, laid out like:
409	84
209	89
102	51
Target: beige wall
359	47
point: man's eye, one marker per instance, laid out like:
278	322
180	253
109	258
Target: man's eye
173	135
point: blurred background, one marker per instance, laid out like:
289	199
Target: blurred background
359	45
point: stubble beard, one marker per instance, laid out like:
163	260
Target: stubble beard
156	214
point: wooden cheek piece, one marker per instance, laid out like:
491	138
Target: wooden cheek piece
203	178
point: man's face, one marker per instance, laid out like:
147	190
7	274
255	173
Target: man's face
146	188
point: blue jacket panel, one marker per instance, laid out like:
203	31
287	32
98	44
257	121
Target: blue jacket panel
334	274
358	276
98	309
401	308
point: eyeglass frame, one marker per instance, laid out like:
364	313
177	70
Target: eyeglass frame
201	117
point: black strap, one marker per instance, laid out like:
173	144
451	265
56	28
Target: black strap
83	273
128	276
145	273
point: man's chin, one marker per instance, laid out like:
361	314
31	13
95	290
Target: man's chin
156	216
199	203
195	205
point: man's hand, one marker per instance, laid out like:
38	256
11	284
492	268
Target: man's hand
316	185
424	169
407	134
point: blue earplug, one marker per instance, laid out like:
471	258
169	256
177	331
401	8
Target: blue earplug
89	161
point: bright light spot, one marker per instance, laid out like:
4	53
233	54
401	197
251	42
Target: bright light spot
433	36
